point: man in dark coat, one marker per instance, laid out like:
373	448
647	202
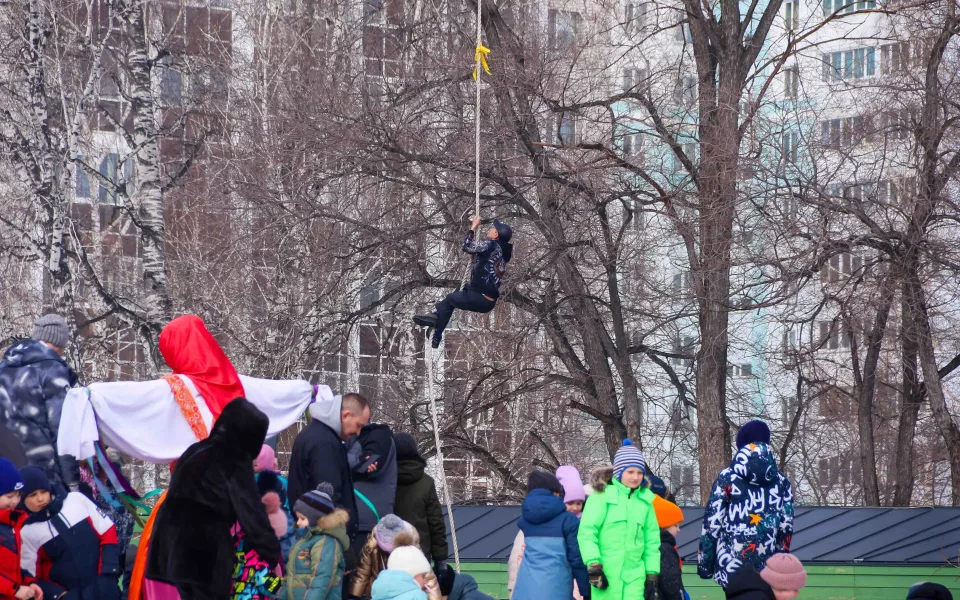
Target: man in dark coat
417	500
34	379
212	489
319	455
373	460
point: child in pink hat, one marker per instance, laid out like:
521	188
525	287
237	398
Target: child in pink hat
573	493
785	575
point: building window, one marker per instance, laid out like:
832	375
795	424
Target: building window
372	8
108	168
564	28
789	148
171	83
839	471
636	17
82	183
847	132
831	133
791	82
689	150
841	267
685	347
895	58
567	129
894	192
850	65
635	80
682	284
683	32
632	144
835	402
846	6
898	124
832	338
685	90
740	371
791	15
789	343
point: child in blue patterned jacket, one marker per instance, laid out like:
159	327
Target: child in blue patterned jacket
749	516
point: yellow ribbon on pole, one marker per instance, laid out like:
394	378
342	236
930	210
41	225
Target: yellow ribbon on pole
480	58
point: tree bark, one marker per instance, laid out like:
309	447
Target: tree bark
866	383
45	165
910	400
931	377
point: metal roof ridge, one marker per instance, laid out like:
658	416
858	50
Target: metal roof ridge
925	539
833	533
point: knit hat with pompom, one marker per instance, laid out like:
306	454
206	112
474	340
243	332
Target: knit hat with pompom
316	504
628	456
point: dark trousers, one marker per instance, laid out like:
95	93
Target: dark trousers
465	299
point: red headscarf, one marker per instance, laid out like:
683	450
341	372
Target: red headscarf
190	350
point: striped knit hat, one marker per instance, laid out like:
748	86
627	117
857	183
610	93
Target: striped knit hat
628	456
316	504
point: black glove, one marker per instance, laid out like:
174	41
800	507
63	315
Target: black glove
650	591
596	577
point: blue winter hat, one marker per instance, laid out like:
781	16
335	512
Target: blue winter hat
34	479
628	456
753	432
10	480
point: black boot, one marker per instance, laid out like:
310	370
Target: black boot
435	341
425	320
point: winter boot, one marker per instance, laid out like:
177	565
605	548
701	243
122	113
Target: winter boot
425	320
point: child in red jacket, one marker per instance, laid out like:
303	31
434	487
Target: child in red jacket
14	583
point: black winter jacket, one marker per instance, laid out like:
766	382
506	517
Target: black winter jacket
746	584
34	380
670	581
418	504
490	260
380	486
212	488
319	455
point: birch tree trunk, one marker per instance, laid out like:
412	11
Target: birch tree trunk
147	195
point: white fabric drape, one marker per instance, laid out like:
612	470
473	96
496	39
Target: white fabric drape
143	420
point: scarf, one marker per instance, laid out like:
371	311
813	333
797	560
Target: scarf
189	349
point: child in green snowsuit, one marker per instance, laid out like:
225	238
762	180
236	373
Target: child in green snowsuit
619	537
316	563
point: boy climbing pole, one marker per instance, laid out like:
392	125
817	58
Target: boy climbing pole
490	260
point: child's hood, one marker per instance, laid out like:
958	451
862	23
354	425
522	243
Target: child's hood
334	525
391	584
600	478
755	464
540	506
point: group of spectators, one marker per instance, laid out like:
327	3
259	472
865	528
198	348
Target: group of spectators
357	516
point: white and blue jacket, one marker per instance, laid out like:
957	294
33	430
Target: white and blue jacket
551	557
